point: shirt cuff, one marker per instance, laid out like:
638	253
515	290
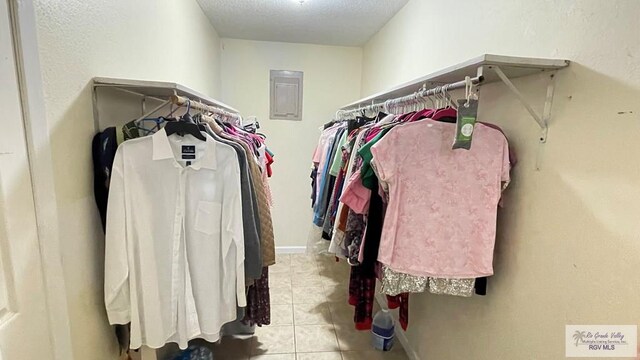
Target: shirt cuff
119	317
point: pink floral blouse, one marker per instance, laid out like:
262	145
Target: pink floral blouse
441	216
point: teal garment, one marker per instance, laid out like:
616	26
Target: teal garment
337	158
367	174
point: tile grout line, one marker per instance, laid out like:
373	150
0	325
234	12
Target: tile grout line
327	289
333	321
326	302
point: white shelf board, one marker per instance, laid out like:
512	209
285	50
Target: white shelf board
159	89
512	66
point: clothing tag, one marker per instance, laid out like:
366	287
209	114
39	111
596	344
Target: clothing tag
188	149
465	124
188	152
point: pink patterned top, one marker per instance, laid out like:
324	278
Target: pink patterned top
441	216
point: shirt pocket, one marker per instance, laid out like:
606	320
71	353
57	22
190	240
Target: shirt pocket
208	217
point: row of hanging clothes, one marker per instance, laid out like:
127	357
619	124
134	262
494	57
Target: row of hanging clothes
186	208
401	201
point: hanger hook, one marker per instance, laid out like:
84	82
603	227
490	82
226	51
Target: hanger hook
468	86
445	96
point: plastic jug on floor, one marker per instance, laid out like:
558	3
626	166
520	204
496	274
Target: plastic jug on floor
383	331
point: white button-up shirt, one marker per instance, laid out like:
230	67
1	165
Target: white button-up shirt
174	263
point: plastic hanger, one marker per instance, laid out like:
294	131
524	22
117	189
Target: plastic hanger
213	124
186	117
183	127
155	122
447	112
421	108
252	126
196	118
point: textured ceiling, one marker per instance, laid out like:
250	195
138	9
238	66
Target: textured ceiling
330	22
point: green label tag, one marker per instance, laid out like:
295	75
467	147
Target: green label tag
465	124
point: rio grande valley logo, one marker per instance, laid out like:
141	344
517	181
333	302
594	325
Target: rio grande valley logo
601	340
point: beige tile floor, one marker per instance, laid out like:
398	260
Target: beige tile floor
310	317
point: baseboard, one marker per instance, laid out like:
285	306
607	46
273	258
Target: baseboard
401	336
291	249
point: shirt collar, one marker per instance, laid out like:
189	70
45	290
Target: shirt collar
162	150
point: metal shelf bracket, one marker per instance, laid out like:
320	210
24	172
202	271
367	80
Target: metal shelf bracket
542	120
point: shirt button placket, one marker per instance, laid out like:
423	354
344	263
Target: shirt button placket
177	286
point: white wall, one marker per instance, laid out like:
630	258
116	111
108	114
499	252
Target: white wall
331	79
152	39
569	235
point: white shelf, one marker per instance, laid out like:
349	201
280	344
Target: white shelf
512	66
159	89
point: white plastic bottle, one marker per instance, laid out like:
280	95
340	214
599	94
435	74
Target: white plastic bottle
382	331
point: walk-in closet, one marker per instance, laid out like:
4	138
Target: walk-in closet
319	179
